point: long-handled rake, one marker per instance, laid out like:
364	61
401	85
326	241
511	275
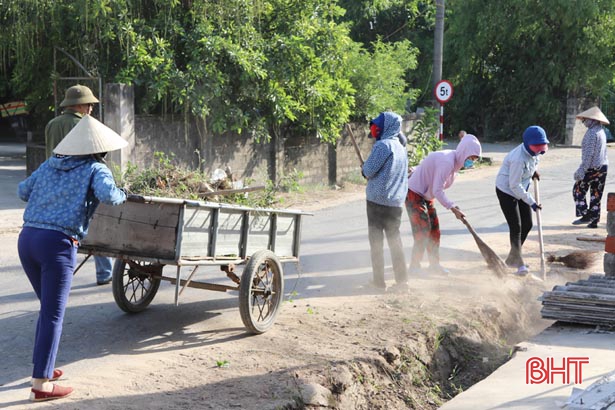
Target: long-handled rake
494	262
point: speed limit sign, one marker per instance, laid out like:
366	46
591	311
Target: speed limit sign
443	91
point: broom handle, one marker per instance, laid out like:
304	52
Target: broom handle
356	146
539	223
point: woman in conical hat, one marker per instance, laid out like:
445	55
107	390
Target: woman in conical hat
591	174
62	195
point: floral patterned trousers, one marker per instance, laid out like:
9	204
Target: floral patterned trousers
593	182
425	229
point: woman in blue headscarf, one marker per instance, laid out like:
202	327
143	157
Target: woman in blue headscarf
512	183
386	170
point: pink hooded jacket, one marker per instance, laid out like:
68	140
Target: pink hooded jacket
437	171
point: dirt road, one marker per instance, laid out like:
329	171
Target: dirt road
335	343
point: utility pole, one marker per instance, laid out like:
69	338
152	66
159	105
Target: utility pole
438	43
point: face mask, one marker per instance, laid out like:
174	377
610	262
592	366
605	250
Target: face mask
374	131
587	123
468	163
539	149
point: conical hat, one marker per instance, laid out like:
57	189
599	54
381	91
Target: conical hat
593	113
90	136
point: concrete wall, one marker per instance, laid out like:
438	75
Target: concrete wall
119	115
575	130
246	157
187	142
188	145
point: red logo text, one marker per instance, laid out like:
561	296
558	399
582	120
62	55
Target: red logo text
539	371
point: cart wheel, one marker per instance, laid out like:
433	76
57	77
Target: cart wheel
261	291
134	285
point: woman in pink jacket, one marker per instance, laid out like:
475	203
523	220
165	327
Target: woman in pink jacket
428	181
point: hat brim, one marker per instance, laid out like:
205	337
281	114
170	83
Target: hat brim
90	136
78	101
593	113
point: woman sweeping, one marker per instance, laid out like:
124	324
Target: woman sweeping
428	181
512	183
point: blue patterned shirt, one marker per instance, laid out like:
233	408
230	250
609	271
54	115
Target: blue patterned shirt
386	169
63	193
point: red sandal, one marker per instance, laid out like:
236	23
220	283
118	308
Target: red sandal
58	392
57	373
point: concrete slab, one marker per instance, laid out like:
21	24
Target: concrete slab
506	388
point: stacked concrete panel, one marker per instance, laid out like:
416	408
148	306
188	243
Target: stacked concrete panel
590	301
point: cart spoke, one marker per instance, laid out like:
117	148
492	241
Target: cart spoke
262	286
136	285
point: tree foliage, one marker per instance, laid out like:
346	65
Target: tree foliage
249	66
261	67
394	23
516	62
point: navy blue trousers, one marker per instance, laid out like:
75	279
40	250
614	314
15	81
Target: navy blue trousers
48	258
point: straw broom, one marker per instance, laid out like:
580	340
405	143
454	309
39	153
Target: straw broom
576	259
494	262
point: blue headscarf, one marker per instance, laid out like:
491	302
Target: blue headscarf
534	135
389	124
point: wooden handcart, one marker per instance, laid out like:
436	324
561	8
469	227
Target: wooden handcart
146	233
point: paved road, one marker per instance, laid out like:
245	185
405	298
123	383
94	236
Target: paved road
335	261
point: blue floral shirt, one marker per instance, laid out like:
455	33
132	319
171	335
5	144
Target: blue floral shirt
63	193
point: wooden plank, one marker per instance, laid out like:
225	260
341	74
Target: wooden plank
581	319
132	228
585	289
591	238
600	283
605	318
581	296
598	312
202	285
196	233
577	302
258	232
228	239
222	192
579	308
285	235
601	276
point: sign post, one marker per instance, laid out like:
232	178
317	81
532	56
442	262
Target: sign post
443	91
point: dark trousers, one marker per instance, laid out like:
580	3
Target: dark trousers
48	258
593	182
518	215
385	220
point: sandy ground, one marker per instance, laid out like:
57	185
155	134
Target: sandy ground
204	359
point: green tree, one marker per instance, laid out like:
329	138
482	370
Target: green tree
253	67
391	21
516	62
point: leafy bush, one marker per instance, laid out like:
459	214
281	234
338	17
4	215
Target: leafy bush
423	137
165	179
